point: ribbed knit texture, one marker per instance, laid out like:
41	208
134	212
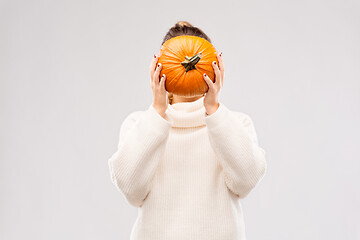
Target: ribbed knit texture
187	172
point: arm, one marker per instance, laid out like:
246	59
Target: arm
234	141
142	141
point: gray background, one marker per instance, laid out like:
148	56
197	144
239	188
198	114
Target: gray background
71	71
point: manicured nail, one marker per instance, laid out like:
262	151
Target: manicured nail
215	62
220	53
205	74
154	56
159	65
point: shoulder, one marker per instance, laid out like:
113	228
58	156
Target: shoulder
239	114
245	121
134	115
147	121
236	116
243	117
150	114
131	118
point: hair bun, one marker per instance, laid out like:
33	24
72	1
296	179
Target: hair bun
181	24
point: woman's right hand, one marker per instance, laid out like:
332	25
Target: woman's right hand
160	98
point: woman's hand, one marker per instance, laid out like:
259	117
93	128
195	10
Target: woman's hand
160	99
211	100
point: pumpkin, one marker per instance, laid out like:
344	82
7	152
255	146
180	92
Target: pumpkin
184	60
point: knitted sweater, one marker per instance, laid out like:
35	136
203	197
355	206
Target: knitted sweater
187	172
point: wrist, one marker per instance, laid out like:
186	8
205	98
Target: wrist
210	109
160	111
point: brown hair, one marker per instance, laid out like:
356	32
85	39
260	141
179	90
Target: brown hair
183	28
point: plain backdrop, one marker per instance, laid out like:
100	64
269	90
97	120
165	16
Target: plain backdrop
71	71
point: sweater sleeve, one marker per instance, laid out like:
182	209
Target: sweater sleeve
142	139
233	138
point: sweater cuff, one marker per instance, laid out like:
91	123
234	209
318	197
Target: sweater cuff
220	116
157	121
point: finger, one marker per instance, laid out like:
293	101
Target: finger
162	82
217	74
153	64
157	74
208	81
221	64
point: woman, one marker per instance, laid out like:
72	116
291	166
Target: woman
186	162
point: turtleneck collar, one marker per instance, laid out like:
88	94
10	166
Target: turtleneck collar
187	114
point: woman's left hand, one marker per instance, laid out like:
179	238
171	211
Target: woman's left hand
211	102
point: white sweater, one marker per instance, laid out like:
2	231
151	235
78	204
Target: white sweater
187	173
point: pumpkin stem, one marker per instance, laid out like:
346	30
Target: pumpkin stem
189	63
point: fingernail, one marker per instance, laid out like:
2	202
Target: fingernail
159	65
154	56
215	62
205	74
163	75
220	53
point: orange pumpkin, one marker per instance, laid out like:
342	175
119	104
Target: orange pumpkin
184	60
